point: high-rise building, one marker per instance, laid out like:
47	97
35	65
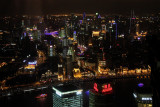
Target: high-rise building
137	29
22	23
62	33
67	96
51	51
75	35
132	27
60	72
143	96
102	94
112	32
154	51
69	66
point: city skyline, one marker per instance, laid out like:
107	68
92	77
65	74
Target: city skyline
84	53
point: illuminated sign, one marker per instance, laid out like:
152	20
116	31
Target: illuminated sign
30	67
32	63
140	85
95	33
95	87
107	88
144	98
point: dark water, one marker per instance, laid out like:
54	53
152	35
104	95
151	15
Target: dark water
123	90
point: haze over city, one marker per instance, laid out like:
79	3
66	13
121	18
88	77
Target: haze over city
40	7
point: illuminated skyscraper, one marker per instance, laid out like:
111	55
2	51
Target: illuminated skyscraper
75	35
65	46
50	52
69	66
22	23
132	27
143	96
137	29
62	33
60	70
112	32
84	17
102	94
67	96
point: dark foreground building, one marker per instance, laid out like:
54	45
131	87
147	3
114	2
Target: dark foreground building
154	55
143	96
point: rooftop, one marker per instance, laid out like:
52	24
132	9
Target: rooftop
65	88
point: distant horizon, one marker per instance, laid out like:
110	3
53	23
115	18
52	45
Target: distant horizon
87	13
43	7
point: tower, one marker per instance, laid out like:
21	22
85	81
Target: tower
102	94
112	32
67	96
137	29
69	66
84	17
23	23
132	22
60	71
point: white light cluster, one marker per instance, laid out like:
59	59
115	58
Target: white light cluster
58	93
144	98
79	92
135	96
32	63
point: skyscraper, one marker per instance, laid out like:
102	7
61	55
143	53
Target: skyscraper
143	96
67	96
132	27
69	66
102	94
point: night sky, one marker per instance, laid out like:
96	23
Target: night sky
11	7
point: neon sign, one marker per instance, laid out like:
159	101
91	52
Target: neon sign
140	85
107	88
32	63
144	98
95	87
